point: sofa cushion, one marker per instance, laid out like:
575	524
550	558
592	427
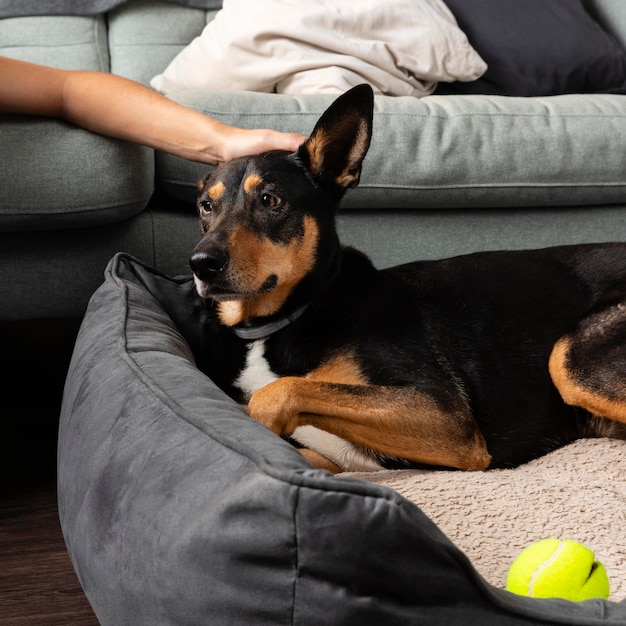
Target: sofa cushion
145	35
451	151
61	41
15	8
178	509
538	48
56	175
438	152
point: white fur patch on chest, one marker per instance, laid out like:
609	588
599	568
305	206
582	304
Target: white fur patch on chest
256	372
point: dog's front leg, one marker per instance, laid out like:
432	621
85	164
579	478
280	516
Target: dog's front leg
401	422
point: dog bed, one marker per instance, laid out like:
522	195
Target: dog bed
178	509
577	492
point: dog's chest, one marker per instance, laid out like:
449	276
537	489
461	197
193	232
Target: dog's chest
256	372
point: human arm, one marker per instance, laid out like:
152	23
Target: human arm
118	107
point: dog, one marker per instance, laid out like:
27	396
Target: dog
485	360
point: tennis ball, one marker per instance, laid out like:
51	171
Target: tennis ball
553	568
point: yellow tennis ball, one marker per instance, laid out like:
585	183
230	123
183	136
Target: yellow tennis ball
554	568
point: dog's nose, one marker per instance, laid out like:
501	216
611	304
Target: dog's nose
206	263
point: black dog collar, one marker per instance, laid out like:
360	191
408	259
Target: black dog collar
265	330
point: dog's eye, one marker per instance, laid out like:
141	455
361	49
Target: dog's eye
206	206
270	201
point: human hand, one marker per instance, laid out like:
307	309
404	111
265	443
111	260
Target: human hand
235	142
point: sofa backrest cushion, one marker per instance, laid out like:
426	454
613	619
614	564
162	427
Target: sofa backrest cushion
21	8
450	151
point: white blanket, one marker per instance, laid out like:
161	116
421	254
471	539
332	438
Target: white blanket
577	492
400	47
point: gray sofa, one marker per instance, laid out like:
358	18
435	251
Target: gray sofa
446	174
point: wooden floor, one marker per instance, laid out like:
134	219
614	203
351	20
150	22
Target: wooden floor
38	586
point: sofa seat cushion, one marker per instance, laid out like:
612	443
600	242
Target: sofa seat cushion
451	151
179	509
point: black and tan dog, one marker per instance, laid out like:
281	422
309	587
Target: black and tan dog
479	361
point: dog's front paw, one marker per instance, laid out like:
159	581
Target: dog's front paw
275	406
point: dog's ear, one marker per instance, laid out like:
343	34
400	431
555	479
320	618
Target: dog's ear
340	139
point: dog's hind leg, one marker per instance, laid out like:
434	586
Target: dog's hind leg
320	461
400	422
588	367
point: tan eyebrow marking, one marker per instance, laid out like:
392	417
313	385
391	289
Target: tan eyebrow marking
216	191
252	182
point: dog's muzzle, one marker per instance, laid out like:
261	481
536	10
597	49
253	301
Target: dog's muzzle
205	264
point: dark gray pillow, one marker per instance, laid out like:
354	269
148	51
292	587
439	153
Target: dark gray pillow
538	48
178	509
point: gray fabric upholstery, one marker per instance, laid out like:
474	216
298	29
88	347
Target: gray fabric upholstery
611	14
56	175
16	8
141	52
52	274
67	42
179	509
434	234
452	151
59	176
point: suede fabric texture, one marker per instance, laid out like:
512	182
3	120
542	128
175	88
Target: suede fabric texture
178	509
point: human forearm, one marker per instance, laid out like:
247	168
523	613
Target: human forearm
138	114
117	107
114	106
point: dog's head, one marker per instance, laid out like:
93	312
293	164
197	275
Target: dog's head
265	219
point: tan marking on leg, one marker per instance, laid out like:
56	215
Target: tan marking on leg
398	421
574	392
558	370
252	182
255	259
341	368
319	461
